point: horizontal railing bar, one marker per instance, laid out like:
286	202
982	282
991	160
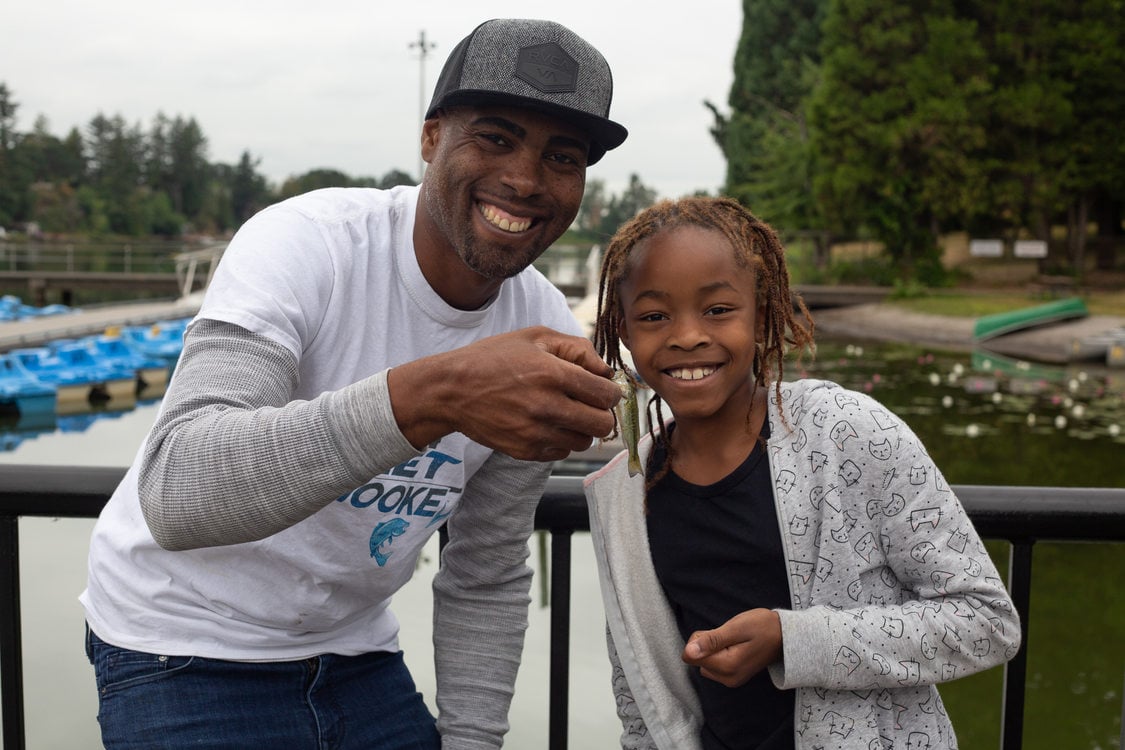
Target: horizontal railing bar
1000	512
1043	513
62	491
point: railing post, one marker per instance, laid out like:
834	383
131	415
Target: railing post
1015	670
11	647
559	697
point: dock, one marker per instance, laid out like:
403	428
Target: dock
89	321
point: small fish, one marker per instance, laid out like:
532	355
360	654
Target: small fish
628	418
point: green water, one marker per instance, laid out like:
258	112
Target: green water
992	421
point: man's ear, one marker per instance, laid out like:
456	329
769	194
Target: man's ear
431	132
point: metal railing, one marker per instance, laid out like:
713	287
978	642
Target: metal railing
78	258
1020	515
163	268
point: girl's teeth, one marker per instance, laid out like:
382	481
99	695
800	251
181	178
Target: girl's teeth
697	373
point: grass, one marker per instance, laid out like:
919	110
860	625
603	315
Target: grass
974	303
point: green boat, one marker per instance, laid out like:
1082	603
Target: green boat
991	326
1016	369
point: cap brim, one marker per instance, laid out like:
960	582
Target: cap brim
605	134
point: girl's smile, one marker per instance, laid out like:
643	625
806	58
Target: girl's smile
691	373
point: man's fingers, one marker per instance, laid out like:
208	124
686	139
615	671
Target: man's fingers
534	394
594	390
574	349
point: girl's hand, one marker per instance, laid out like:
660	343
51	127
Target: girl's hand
738	649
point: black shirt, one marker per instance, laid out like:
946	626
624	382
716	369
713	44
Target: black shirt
717	552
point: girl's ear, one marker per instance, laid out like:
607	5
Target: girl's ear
623	333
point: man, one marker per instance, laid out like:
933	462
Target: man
366	366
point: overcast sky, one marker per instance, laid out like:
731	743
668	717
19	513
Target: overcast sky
336	84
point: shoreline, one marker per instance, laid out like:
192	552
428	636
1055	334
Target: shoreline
1049	344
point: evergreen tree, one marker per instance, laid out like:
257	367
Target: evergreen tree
189	166
117	157
620	208
590	212
894	116
774	69
766	137
1028	116
13	185
1093	58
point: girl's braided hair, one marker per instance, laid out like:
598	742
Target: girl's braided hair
756	246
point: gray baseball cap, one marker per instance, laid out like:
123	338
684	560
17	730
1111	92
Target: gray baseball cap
541	65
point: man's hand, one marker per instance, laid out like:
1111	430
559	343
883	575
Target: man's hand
738	649
534	394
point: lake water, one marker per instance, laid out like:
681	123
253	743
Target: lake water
985	421
61	704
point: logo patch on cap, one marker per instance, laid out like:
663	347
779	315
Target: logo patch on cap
548	68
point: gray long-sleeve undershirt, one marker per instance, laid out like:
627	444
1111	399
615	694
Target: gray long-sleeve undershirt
232	459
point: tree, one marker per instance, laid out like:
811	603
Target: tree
249	192
619	209
49	159
1029	111
766	137
117	156
190	170
322	178
160	217
396	177
13	186
894	115
1092	56
95	218
158	156
774	69
592	209
55	207
217	216
8	109
72	159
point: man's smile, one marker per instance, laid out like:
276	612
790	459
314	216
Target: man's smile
501	219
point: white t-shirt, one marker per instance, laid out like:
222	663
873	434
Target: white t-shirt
331	276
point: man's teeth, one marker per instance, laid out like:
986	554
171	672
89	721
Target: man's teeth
693	373
503	222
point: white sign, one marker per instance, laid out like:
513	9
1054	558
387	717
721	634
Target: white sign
1030	249
986	248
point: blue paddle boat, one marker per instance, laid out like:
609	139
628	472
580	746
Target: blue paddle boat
22	393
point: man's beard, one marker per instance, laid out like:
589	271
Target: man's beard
494	262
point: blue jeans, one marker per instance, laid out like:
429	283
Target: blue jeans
327	702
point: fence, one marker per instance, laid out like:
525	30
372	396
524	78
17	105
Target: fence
1020	515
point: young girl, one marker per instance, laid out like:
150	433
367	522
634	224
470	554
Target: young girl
791	570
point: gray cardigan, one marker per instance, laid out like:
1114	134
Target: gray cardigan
892	590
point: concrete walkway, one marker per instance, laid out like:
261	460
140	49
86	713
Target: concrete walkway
92	321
